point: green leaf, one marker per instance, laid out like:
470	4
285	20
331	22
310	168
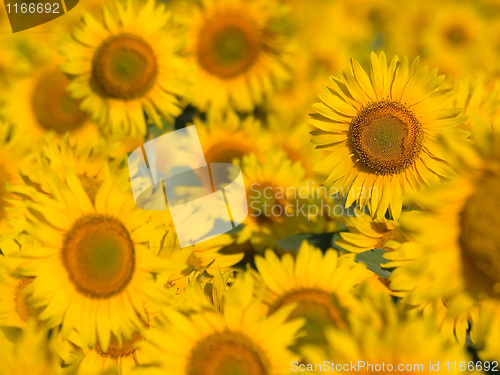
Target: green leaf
373	260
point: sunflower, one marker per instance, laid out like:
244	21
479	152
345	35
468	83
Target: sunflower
377	342
367	234
15	307
118	358
455	254
278	200
224	137
381	131
93	270
238	53
46	106
317	284
119	73
455	38
241	340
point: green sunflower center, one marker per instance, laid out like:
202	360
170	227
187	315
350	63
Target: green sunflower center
386	137
124	67
53	106
228	46
227	353
478	220
99	256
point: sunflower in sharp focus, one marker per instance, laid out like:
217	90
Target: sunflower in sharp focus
242	340
318	284
93	271
386	336
456	251
381	131
46	106
238	53
120	68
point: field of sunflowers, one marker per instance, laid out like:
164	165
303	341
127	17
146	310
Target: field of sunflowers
367	135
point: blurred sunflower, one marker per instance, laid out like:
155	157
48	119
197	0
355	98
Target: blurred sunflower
453	228
380	337
15	308
241	340
238	53
317	285
278	200
119	73
224	137
119	358
485	331
94	270
381	131
14	154
46	106
454	38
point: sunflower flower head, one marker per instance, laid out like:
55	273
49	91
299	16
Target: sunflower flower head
381	129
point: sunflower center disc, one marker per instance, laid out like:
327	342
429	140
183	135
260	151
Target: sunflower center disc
228	47
99	256
479	219
387	137
456	35
227	353
53	106
124	67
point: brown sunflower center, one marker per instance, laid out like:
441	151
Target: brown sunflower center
479	219
99	256
386	137
23	309
53	106
124	67
229	45
227	353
